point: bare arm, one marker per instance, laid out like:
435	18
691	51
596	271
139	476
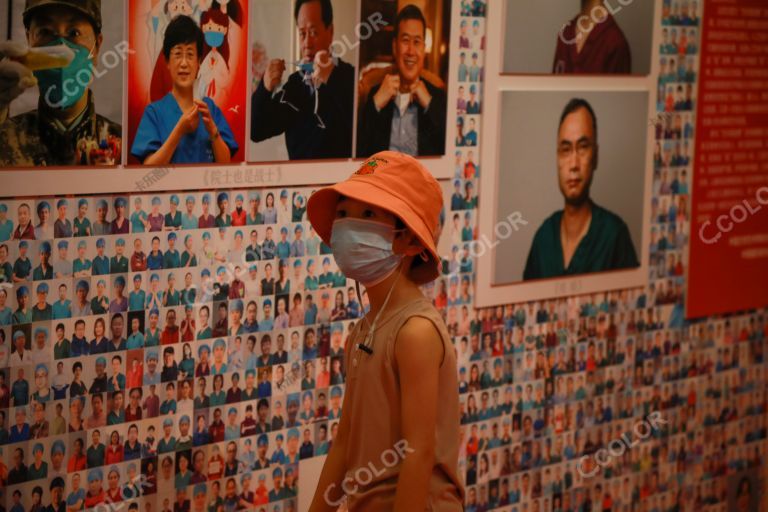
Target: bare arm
418	352
163	155
221	152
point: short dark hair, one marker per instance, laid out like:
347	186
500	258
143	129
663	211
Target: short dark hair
574	105
182	30
409	12
325	6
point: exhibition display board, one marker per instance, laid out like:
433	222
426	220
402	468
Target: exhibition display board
172	329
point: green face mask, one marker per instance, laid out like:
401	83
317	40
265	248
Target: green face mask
63	87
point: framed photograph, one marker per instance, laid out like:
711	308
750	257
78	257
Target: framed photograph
187	58
78	76
568	167
578	37
302	88
239	122
403	80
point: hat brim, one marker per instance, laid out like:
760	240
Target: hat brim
28	13
321	212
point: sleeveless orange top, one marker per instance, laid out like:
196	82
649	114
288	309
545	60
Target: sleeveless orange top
376	446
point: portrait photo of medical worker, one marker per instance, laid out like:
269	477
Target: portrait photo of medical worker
303	91
588	37
402	93
573	165
744	492
60	93
187	79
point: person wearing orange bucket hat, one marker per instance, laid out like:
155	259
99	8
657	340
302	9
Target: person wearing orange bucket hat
398	439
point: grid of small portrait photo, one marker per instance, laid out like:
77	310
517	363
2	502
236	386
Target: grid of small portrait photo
611	400
168	349
674	127
184	350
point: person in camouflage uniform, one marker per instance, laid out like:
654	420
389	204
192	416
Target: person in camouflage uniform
65	128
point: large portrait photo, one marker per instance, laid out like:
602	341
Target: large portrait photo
402	87
585	37
302	91
571	185
61	83
186	85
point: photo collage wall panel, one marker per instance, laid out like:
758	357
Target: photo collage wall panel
183	350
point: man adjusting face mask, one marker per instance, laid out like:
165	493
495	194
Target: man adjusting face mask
63	87
58	58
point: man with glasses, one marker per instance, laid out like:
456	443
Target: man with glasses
582	237
65	128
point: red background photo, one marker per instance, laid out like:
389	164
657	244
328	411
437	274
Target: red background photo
223	77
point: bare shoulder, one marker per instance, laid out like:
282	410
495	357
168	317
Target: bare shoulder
419	340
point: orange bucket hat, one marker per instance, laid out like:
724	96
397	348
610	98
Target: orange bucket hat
399	184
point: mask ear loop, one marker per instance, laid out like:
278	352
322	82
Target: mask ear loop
92	52
320	123
365	346
424	255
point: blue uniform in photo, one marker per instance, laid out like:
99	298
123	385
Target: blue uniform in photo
158	122
62	309
6	228
155	261
100	266
134	341
137	226
136	300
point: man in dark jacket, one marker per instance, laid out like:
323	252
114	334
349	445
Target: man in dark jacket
404	113
314	107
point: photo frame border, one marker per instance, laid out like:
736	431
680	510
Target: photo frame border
58	181
488	293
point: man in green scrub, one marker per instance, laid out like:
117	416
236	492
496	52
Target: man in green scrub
582	237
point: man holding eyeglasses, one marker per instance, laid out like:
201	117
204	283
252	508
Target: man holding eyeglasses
582	237
314	107
65	128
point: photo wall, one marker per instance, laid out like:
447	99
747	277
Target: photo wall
240	92
176	343
155	78
541	36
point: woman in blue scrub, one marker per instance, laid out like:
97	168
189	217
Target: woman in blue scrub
179	128
6	225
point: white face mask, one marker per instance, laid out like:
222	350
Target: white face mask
403	101
363	249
